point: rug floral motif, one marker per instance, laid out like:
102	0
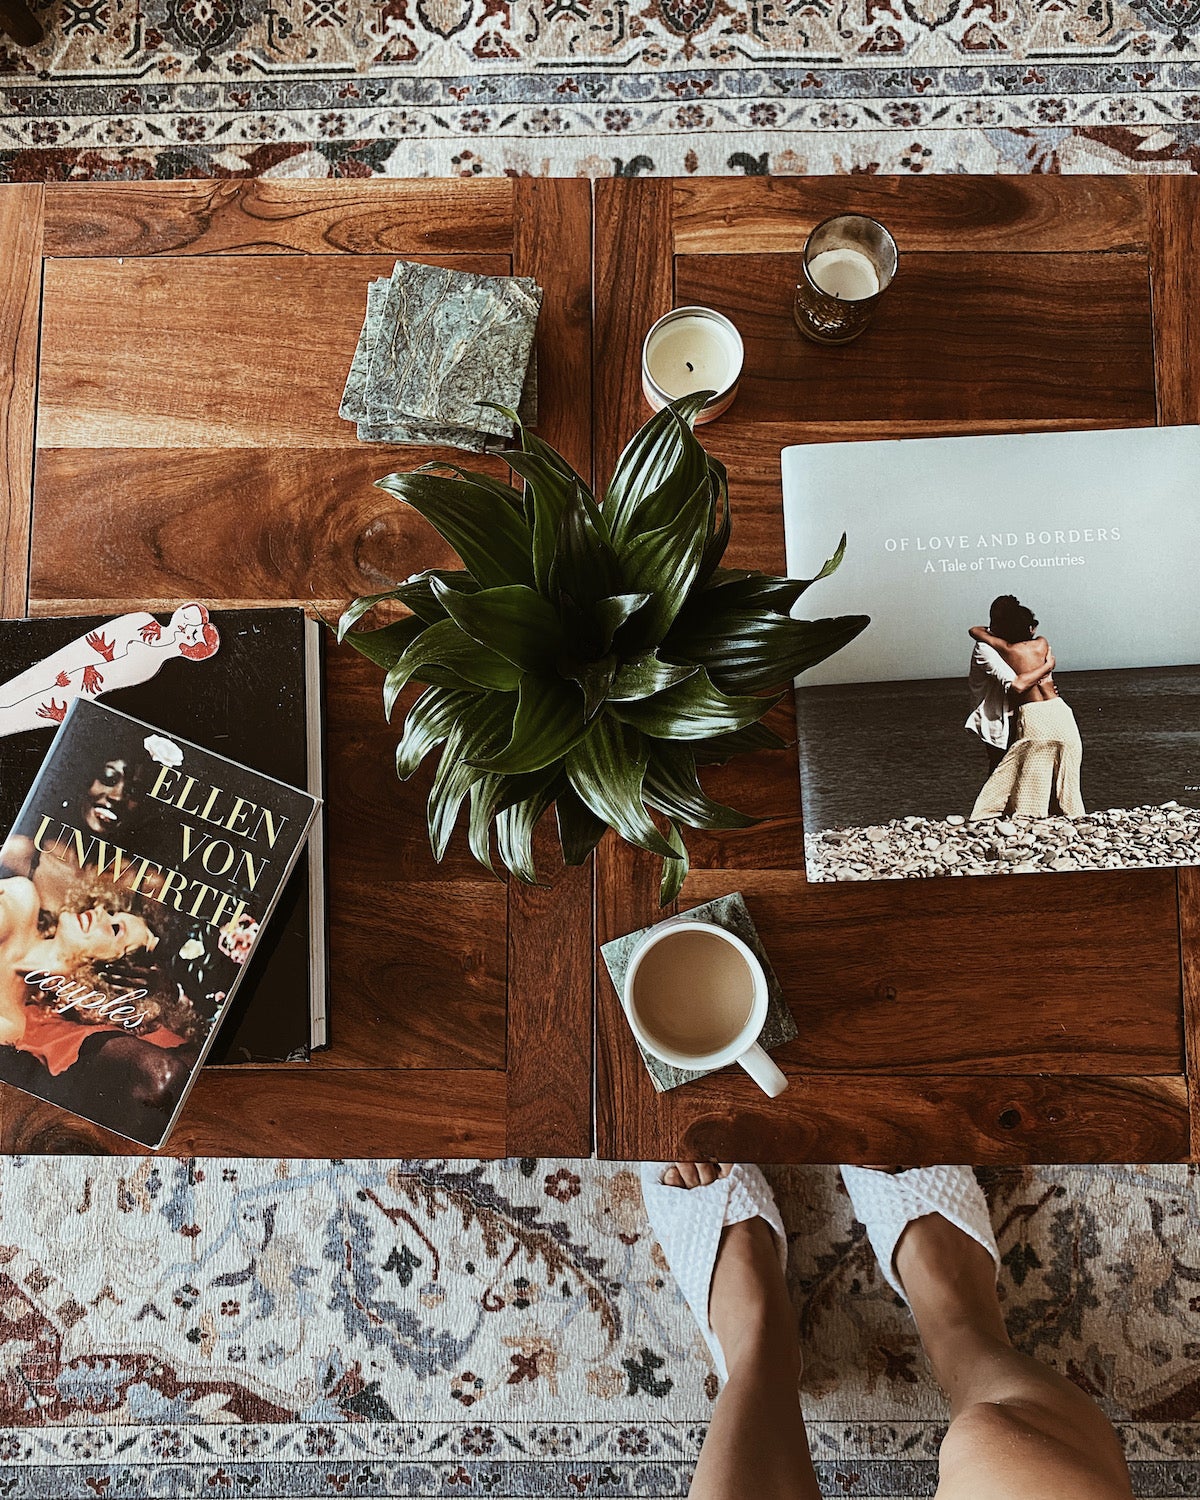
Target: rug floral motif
453	1328
237	88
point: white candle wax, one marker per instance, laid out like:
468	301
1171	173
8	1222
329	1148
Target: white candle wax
845	274
693	354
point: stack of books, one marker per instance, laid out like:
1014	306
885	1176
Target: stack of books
160	781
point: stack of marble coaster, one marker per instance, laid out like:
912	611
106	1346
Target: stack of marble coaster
437	344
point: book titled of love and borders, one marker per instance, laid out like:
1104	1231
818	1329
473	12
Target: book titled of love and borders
122	947
1026	697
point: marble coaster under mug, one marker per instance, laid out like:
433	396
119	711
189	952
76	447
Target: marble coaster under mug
731	913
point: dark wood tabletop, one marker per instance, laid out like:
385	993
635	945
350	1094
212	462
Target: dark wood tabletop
179	351
1035	1019
171	356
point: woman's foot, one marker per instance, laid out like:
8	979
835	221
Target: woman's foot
748	1303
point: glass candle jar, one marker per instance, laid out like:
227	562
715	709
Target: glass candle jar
849	262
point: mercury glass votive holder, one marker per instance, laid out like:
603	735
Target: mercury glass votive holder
849	262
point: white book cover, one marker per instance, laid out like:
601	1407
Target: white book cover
1026	697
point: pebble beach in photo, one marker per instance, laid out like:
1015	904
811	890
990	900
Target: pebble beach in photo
912	847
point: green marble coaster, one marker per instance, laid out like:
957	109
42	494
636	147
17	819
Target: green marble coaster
464	342
448	341
731	913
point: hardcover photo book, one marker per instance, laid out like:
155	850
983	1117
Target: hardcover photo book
1027	696
135	884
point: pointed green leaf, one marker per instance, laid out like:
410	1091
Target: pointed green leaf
429	721
497	487
493	541
742	589
354	612
611	613
664	563
531	443
714	547
654	453
673	787
547	493
548	721
645	675
723	747
606	769
594	678
691	710
579	829
481	728
674	871
514	621
446	656
515	829
585	566
388	644
417	592
832	564
747	650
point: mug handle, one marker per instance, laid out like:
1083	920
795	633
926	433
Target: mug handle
764	1072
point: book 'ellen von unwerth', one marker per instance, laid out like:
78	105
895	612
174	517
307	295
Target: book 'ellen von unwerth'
134	887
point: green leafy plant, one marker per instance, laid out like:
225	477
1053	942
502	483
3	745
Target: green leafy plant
587	656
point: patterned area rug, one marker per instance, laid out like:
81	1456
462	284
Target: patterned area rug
434	1328
215	88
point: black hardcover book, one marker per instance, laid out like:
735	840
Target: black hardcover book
255	699
126	938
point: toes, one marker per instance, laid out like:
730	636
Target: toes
673	1178
708	1171
692	1174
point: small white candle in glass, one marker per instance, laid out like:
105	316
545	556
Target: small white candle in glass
849	262
692	349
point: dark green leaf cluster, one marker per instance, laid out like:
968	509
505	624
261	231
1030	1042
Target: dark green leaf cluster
587	656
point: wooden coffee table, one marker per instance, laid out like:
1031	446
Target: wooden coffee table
171	356
1033	1019
194	339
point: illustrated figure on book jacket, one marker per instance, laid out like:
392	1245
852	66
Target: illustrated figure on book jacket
1062	566
133	887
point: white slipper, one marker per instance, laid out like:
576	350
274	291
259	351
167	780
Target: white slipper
887	1202
688	1223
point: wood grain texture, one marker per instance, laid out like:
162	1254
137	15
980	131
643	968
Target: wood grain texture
632	282
922	1121
373	217
195	353
1174	254
20	300
550	928
881	975
1011	337
757	215
281	1111
279	525
632	286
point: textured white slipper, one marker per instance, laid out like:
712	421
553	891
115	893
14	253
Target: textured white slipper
687	1223
887	1202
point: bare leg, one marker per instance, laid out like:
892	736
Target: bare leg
756	1444
1018	1430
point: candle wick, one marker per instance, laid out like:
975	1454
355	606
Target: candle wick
690	366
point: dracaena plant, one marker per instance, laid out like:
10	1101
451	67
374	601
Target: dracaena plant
588	656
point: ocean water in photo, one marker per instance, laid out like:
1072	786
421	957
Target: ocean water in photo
870	752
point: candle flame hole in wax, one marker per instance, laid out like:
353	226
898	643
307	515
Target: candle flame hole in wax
692	354
845	274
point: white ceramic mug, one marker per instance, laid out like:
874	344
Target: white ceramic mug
742	1048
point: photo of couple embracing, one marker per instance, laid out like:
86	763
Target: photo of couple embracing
1033	744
